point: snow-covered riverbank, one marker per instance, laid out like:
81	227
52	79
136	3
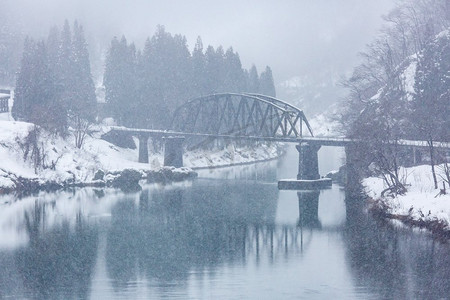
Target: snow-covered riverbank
54	160
421	206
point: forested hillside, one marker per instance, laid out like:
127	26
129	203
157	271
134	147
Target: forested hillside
149	84
401	90
54	86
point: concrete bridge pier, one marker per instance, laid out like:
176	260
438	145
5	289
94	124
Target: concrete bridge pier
173	151
143	147
308	162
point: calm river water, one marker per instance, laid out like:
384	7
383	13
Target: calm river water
227	235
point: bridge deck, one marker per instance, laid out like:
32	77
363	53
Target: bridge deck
322	141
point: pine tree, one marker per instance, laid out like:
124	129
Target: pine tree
83	102
53	45
234	77
120	79
24	83
198	69
267	86
214	66
11	46
35	90
152	86
167	72
253	80
64	70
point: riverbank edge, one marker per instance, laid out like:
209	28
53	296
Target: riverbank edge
379	208
26	186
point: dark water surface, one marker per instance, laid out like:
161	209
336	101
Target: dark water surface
232	235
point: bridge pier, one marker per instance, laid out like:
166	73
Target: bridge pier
143	147
308	162
173	151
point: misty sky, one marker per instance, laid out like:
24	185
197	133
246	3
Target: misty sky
293	37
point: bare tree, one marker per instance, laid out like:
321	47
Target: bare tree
82	128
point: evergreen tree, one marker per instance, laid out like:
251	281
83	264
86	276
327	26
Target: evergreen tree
119	79
234	77
198	69
214	61
267	87
167	72
253	80
11	46
55	81
153	86
24	83
35	90
143	89
64	69
83	100
53	46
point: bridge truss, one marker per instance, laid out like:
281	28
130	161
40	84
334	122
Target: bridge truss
243	115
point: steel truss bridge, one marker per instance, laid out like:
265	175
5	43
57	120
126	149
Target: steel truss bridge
245	117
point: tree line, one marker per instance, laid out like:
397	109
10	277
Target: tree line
144	87
54	87
401	90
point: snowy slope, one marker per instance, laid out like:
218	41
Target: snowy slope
64	163
420	202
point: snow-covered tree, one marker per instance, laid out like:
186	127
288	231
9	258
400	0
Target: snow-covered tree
379	109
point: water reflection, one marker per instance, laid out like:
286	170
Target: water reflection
308	207
57	262
171	233
212	239
391	262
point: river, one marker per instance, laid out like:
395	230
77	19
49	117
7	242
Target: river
231	234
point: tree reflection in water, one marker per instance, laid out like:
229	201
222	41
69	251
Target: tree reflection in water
174	232
57	263
392	262
167	238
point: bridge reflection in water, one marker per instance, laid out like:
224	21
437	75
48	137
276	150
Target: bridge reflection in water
166	234
169	241
170	234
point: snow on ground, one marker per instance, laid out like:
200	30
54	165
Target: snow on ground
420	202
64	162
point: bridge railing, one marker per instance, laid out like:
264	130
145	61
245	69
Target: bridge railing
4	100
